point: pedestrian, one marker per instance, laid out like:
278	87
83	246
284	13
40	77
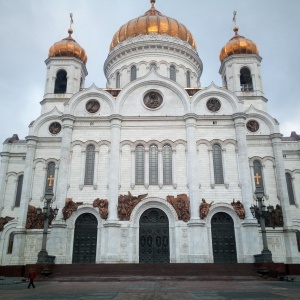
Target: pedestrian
31	278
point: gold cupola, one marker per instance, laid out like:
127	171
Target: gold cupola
152	22
238	45
68	47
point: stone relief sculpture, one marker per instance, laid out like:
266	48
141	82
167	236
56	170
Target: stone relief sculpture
126	204
204	208
239	209
33	220
70	207
275	219
4	221
182	206
102	204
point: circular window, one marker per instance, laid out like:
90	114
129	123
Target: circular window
213	104
55	128
252	125
92	106
153	100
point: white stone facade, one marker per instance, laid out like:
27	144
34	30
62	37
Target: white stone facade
124	122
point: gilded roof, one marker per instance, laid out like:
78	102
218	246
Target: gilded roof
152	22
238	45
68	47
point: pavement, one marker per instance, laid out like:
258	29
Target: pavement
150	289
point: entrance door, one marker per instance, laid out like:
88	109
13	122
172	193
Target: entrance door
85	239
154	237
223	238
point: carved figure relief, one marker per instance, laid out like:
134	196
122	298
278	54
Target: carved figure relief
55	128
103	207
92	106
239	209
69	208
33	220
275	218
126	204
182	206
4	221
204	208
153	100
252	125
213	104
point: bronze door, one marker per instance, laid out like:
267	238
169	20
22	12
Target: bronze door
154	237
223	238
85	240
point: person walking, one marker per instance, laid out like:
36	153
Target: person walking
31	278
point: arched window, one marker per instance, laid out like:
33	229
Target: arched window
133	73
153	165
289	184
118	80
258	177
60	82
188	79
10	243
167	164
218	165
225	82
246	80
139	165
89	165
19	191
173	73
50	177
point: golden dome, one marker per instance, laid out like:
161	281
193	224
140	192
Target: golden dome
68	47
152	22
238	45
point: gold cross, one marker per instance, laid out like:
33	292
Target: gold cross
257	177
50	179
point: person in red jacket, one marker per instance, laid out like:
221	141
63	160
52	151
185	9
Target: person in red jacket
31	278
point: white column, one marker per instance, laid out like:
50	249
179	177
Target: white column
82	174
160	169
64	166
146	175
3	171
96	170
174	181
225	168
265	178
211	169
132	169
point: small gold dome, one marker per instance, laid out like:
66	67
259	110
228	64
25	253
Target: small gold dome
152	22
238	45
68	47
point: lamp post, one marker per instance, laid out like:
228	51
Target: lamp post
260	213
47	213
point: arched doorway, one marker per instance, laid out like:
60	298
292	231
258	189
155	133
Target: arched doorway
85	239
223	238
154	237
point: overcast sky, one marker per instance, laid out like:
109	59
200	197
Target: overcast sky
29	28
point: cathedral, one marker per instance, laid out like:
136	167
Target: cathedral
153	168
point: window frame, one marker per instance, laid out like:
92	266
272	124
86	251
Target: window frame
89	170
218	164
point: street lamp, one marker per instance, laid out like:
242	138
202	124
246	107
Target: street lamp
48	213
260	213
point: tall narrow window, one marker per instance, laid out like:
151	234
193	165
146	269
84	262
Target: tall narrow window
225	82
133	73
139	165
60	82
258	177
19	191
218	165
118	80
173	73
188	79
89	165
10	243
289	184
246	80
153	165
167	164
50	177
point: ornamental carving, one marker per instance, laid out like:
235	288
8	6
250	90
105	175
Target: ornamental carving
204	208
239	209
252	125
33	220
92	106
4	221
69	208
102	204
153	100
213	104
181	205
126	204
55	128
275	218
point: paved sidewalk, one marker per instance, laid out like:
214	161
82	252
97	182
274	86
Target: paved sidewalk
152	290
